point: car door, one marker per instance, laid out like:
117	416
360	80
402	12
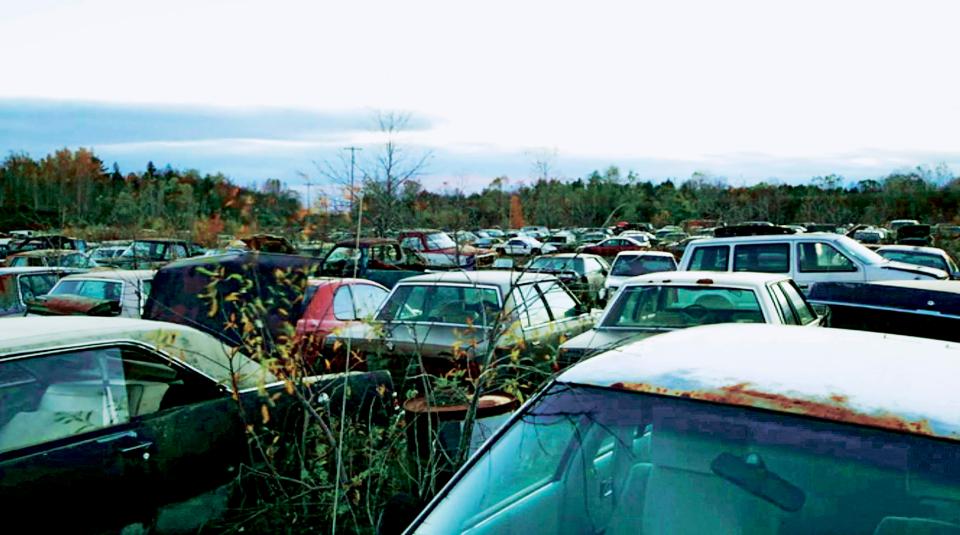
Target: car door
819	261
67	441
113	432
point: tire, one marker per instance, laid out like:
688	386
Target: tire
536	252
502	252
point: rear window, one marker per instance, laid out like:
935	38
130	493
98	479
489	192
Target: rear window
458	305
629	266
710	258
674	307
762	258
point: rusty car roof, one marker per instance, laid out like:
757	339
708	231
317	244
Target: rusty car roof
201	351
878	380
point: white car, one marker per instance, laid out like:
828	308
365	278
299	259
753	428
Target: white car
806	258
525	245
726	429
632	263
128	289
659	302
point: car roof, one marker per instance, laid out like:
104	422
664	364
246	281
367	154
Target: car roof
199	350
122	274
862	378
505	279
829	236
913	249
718	278
645	253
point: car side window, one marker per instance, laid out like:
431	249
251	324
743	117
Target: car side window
559	301
530	306
178	251
762	257
343	304
51	397
153	383
783	305
710	258
804	313
33	285
367	299
819	257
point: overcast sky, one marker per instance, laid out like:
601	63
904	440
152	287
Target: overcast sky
746	90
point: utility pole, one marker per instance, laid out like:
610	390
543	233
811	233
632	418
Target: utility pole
353	163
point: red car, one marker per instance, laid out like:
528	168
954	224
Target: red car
334	304
610	247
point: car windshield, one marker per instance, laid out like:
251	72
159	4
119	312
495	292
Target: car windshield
440	240
548	263
584	459
676	307
920	259
436	303
858	251
95	288
629	266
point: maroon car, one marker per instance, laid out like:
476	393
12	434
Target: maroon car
610	247
333	304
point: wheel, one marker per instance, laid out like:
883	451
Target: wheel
501	251
536	252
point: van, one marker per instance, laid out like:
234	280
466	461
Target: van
806	258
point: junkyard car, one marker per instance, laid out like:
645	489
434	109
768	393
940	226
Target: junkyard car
113	419
433	315
610	247
47	241
51	258
696	431
124	292
927	309
22	284
439	250
933	257
332	305
525	245
150	253
378	259
659	302
632	263
806	258
583	274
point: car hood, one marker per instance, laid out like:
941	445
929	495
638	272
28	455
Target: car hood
915	269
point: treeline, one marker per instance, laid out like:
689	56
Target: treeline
74	189
928	195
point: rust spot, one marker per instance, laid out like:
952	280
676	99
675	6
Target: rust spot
834	408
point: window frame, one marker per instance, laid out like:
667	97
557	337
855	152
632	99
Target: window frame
772	289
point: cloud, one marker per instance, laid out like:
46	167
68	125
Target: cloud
253	144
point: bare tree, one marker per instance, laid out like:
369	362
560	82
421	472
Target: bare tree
386	173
